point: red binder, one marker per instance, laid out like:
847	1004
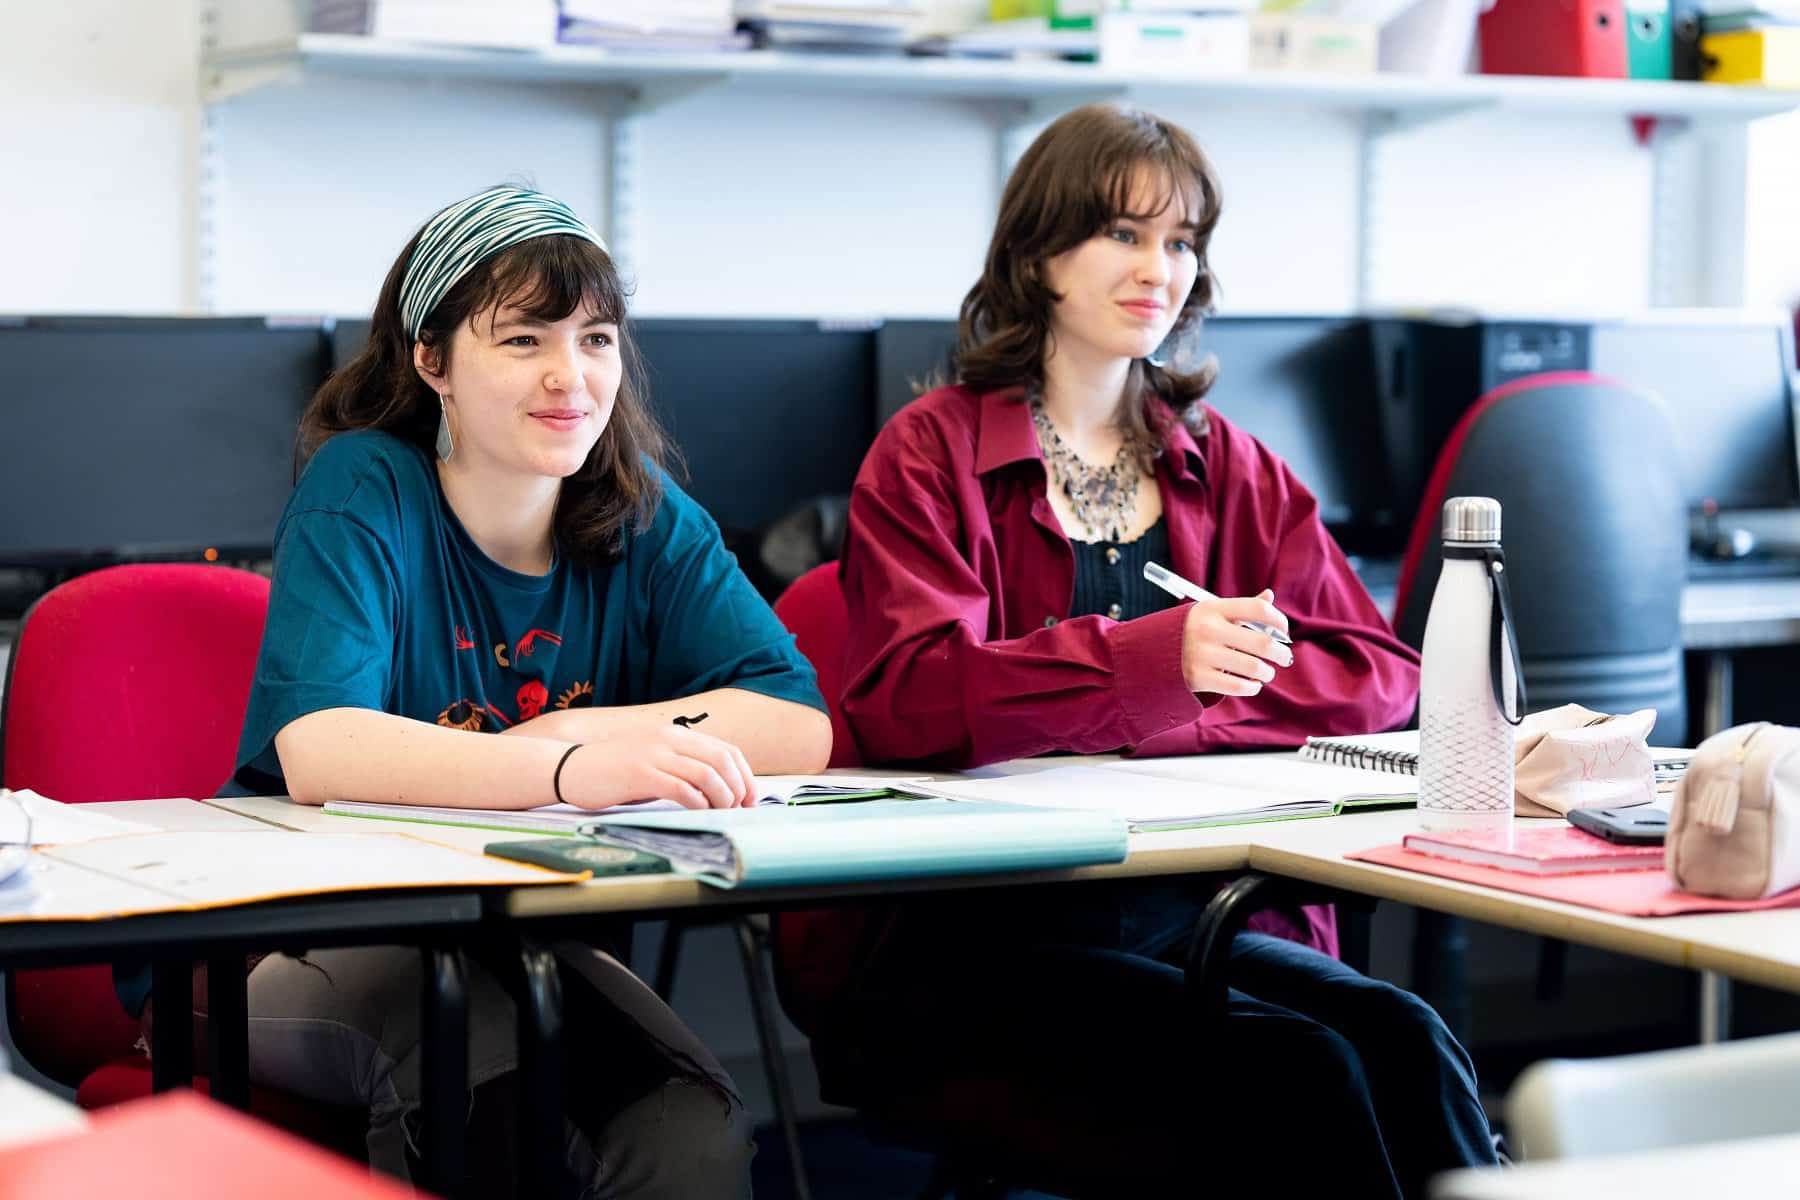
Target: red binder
1555	37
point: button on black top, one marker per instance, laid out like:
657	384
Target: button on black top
1109	576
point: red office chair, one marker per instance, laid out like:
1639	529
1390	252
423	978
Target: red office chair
130	683
814	953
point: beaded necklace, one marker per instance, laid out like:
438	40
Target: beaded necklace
1102	499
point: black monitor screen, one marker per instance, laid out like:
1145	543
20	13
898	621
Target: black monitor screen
1727	385
141	437
767	414
1305	388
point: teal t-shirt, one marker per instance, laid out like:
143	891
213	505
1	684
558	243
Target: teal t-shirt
381	600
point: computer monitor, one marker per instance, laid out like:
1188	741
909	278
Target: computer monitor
767	414
1305	388
1728	384
130	438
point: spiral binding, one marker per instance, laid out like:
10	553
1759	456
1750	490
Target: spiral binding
1367	758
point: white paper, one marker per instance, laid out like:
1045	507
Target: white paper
1274	776
201	869
1142	800
54	823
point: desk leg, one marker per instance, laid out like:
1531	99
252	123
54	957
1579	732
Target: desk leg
228	1031
540	1073
1715	1008
1440	968
1717	715
172	1025
444	1002
781	1088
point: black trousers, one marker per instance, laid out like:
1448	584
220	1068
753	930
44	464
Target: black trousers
1321	1081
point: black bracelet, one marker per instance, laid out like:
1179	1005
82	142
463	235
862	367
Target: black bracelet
556	779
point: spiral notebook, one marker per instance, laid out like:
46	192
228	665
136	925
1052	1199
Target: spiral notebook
1398	753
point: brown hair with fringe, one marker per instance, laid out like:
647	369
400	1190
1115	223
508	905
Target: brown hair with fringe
619	486
1075	180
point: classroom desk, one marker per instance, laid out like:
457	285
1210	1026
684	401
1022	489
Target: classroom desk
1759	947
1756	947
172	941
1747	1169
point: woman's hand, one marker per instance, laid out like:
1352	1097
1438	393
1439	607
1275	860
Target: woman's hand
661	762
1219	655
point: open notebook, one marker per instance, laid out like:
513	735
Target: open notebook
564	820
1399	753
1188	793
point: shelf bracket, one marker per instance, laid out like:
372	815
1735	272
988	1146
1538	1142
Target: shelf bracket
624	176
248	71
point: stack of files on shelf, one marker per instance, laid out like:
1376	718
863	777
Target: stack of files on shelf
1192	793
1204	37
513	24
777	845
652	24
863	26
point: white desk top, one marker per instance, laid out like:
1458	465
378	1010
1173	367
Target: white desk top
1756	947
1759	947
1183	852
1743	1170
28	1113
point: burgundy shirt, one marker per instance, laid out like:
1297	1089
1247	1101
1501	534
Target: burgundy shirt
959	576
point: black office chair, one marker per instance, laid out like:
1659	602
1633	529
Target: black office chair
1594	523
1595	528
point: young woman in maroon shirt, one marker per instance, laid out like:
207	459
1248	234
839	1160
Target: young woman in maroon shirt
993	569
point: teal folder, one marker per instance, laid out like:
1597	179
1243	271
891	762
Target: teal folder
777	845
1649	41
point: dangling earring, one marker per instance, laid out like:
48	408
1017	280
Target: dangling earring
445	446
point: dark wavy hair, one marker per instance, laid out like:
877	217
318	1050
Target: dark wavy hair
619	486
1073	182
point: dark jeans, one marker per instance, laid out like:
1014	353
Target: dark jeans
1321	1081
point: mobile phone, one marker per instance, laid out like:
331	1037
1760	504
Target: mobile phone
1638	825
580	854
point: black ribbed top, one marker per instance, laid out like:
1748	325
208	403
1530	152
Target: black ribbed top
1109	576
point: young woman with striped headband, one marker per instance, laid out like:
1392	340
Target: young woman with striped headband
484	543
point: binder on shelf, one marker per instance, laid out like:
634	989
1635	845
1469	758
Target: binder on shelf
1555	37
1648	51
1769	56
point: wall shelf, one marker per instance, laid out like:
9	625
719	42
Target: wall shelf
231	71
1696	133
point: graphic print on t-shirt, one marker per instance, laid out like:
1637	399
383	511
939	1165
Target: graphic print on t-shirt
532	696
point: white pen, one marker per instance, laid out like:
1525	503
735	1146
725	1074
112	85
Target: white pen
1175	585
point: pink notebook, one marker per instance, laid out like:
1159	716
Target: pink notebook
1536	850
1629	893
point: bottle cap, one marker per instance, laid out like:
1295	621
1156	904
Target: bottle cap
1471	519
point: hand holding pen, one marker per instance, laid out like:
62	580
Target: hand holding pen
1227	646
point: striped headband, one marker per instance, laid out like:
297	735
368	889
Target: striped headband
469	231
